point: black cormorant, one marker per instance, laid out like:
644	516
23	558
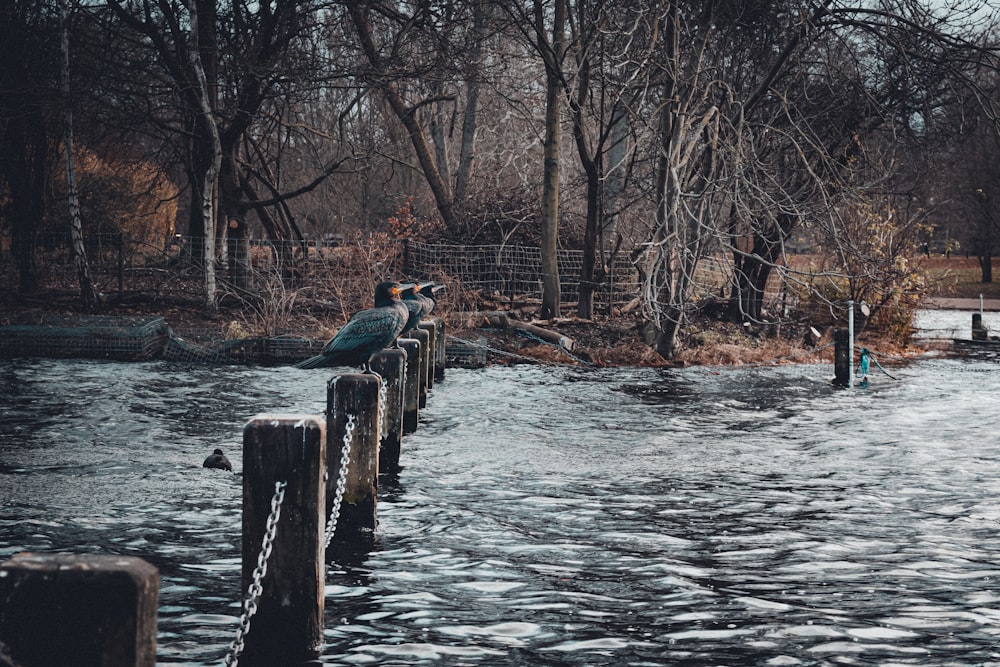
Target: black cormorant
217	460
367	332
427	290
419	306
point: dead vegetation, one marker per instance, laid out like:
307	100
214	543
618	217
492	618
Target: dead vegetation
317	311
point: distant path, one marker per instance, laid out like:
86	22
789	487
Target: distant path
941	303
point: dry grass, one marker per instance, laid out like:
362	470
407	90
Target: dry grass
959	277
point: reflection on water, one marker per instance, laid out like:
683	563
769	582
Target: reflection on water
552	516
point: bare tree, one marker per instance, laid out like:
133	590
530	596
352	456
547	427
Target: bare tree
29	40
973	155
751	148
382	73
88	292
176	34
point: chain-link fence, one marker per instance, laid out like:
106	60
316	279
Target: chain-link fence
335	271
121	265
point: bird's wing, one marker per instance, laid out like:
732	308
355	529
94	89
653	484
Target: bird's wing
361	328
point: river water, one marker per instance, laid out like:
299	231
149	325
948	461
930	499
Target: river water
557	516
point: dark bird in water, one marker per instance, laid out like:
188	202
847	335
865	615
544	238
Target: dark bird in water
217	460
367	332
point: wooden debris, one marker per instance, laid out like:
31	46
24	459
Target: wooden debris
500	320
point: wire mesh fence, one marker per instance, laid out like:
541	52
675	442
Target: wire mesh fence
121	264
514	272
297	294
336	271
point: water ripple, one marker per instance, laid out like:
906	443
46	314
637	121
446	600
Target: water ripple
556	516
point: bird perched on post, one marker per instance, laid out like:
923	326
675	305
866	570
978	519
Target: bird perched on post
418	304
367	332
428	290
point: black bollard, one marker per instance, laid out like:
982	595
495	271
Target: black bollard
842	357
411	386
424	338
391	365
979	330
431	329
288	626
69	610
440	349
353	395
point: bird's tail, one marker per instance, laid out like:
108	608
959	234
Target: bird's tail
313	362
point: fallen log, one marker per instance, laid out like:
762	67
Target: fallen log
500	320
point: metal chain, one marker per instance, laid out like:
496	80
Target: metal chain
383	400
338	498
256	589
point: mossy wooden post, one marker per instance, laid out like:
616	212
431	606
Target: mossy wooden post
431	329
391	365
353	394
842	357
288	626
424	338
439	349
411	386
68	610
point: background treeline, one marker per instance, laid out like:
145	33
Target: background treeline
663	131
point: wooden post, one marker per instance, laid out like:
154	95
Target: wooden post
979	331
288	626
842	357
411	387
391	365
424	338
69	610
353	394
431	330
440	349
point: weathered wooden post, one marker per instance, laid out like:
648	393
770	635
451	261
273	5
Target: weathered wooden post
424	338
391	365
842	357
352	412
431	329
411	386
69	610
440	349
288	625
979	330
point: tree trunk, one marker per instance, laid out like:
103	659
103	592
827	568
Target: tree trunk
25	175
438	123
660	288
88	293
551	297
23	145
986	266
234	217
666	337
752	270
592	163
588	275
425	155
209	178
747	296
470	118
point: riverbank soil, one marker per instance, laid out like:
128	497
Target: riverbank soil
604	341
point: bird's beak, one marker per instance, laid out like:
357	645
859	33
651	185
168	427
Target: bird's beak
426	284
402	287
437	288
